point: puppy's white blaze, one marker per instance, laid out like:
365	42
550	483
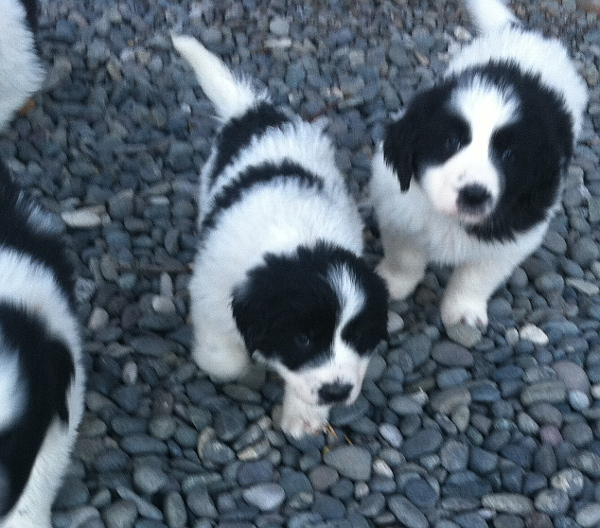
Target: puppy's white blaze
490	15
231	95
485	106
345	365
21	73
351	297
486	109
12	394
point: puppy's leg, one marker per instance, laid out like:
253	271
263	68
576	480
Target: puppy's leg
299	418
470	287
222	355
403	265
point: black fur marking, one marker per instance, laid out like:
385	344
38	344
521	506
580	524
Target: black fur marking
47	370
251	178
240	131
16	232
288	310
32	10
531	154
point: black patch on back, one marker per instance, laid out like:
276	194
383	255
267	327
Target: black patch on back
253	177
531	154
288	310
17	233
47	370
238	132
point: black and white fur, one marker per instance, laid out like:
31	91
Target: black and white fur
21	72
470	175
41	375
278	272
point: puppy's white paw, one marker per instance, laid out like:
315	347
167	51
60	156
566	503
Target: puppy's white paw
303	419
471	311
400	285
221	363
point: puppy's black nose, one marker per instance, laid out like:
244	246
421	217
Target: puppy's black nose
334	392
473	197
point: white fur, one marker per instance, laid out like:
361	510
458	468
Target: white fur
423	224
12	394
31	286
486	109
275	218
414	233
21	73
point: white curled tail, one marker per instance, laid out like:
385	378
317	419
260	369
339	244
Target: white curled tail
231	95
490	15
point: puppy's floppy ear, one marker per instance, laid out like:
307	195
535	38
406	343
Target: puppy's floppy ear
398	148
248	315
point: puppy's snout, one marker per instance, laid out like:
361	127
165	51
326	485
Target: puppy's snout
474	198
334	392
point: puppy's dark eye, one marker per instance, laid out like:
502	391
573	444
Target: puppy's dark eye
453	144
507	155
302	341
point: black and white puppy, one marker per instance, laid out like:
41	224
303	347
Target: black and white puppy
21	72
471	174
41	374
279	272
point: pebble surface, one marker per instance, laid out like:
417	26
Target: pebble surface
452	430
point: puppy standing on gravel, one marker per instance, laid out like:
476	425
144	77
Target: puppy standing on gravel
41	375
278	272
479	161
21	73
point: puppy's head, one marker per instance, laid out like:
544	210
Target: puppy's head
487	147
313	316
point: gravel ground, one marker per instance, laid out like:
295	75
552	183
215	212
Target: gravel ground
447	433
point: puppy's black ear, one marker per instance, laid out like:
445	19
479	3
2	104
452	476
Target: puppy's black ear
398	148
248	316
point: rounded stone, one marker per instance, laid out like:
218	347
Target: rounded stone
589	515
570	480
552	501
407	513
573	376
323	477
265	496
420	493
451	355
352	462
423	442
507	503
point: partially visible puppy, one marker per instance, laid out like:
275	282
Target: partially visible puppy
279	272
21	72
41	375
471	174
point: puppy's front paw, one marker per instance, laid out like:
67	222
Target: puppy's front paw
458	309
400	285
303	419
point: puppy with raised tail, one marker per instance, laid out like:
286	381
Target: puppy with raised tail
278	275
41	374
470	175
